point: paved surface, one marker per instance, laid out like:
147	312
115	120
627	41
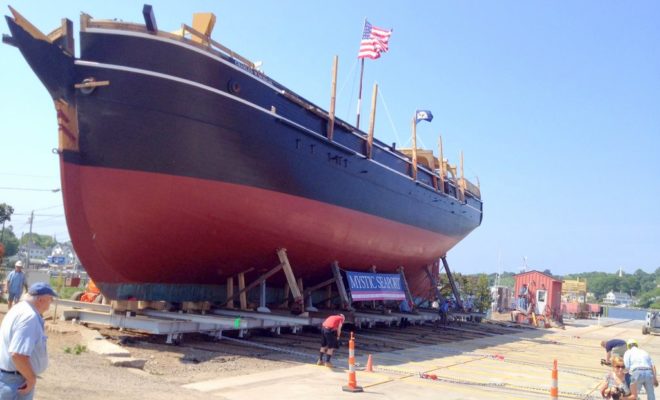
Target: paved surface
496	367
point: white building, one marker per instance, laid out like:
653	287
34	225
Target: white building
619	298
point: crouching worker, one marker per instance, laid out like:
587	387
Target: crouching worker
23	353
614	347
331	332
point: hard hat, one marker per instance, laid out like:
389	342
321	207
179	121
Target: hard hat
19	264
631	342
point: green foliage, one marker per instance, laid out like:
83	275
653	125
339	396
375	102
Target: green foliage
644	286
77	349
5	213
482	293
10	241
43	241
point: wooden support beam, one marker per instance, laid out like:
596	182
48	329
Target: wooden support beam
345	301
290	277
404	283
319	286
230	292
450	277
285	303
241	277
433	278
241	288
328	296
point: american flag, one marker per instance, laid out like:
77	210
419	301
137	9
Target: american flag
374	41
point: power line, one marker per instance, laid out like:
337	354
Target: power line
31	190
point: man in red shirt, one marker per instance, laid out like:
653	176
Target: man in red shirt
331	331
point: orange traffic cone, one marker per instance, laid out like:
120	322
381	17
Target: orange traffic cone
554	389
370	364
352	381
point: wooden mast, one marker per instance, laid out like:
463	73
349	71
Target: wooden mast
372	121
442	165
414	146
359	102
333	97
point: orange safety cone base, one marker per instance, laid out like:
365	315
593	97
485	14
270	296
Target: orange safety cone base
355	389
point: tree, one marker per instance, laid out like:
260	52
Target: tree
482	293
10	242
5	216
43	241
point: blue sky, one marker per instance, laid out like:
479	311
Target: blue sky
556	105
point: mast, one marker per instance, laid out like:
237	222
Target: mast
414	147
333	96
372	121
359	102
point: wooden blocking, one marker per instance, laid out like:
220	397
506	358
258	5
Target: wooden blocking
196	306
152	305
121	306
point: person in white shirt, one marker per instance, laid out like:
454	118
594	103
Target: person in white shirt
641	368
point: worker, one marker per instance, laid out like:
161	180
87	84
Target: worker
612	347
23	351
444	310
641	368
15	283
331	332
404	308
617	384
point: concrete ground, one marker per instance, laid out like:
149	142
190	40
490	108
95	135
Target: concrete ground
496	367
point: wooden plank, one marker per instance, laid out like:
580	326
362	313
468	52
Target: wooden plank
230	293
27	25
406	289
319	286
241	287
242	291
288	272
345	302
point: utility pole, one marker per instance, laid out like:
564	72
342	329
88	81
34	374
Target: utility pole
29	239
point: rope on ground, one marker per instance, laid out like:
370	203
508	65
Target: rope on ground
269	347
503	385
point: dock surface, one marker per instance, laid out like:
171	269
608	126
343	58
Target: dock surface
515	366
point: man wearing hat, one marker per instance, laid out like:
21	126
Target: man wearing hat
641	368
23	352
15	283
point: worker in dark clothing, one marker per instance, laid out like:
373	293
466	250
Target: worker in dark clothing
331	332
614	347
443	310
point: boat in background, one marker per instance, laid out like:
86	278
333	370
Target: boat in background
183	165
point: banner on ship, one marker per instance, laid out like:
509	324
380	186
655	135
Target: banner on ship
366	286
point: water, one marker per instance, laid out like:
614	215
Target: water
625	313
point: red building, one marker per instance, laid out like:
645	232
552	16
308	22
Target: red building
543	290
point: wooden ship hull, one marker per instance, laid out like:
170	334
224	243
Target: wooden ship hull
183	165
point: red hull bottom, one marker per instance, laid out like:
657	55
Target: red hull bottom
133	227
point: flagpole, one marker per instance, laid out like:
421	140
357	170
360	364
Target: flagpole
359	102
